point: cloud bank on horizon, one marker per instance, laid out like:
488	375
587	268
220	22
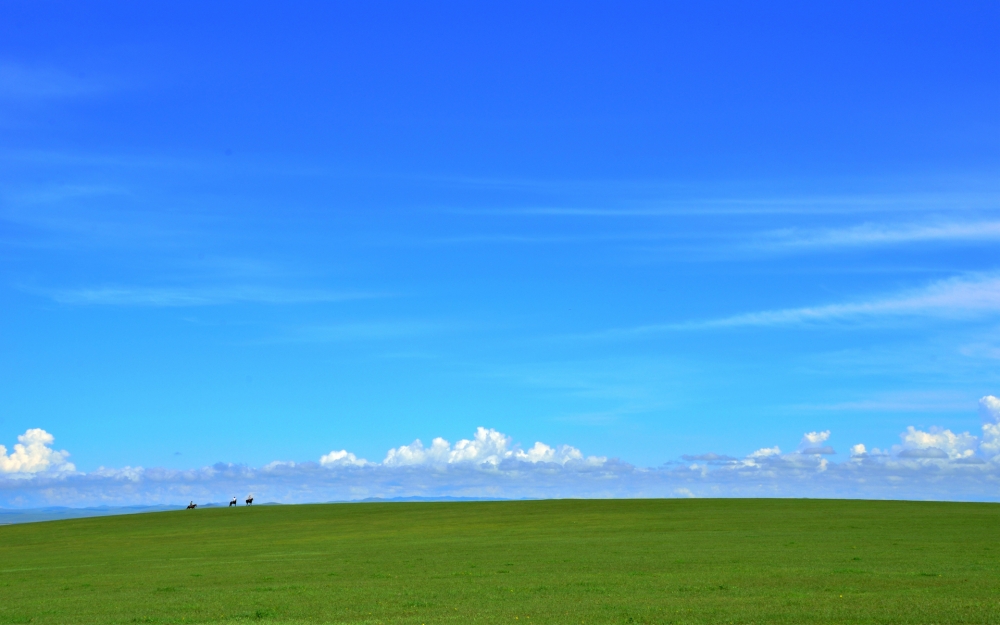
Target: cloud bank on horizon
926	464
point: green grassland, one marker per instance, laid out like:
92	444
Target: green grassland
568	561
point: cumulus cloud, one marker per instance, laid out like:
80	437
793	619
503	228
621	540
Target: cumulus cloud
812	443
815	438
937	443
488	464
930	463
33	454
766	452
342	458
487	447
989	410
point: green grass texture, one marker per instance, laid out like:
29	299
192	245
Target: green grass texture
521	562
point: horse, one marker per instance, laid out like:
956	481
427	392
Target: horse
233	502
192	506
249	501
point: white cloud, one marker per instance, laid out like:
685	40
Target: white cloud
33	454
541	452
989	408
812	443
766	452
415	453
279	464
487	447
342	458
937	443
929	463
815	438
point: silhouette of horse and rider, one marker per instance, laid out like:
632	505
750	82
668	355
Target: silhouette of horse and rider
232	502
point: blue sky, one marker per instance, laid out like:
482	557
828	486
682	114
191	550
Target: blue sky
243	233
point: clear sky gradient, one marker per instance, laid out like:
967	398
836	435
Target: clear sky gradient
244	232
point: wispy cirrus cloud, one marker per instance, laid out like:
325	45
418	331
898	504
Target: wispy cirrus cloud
963	297
910	402
873	234
361	331
195	296
668	203
960	297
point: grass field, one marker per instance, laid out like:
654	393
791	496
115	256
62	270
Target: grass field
596	561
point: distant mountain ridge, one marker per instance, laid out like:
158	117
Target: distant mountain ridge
9	516
57	513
